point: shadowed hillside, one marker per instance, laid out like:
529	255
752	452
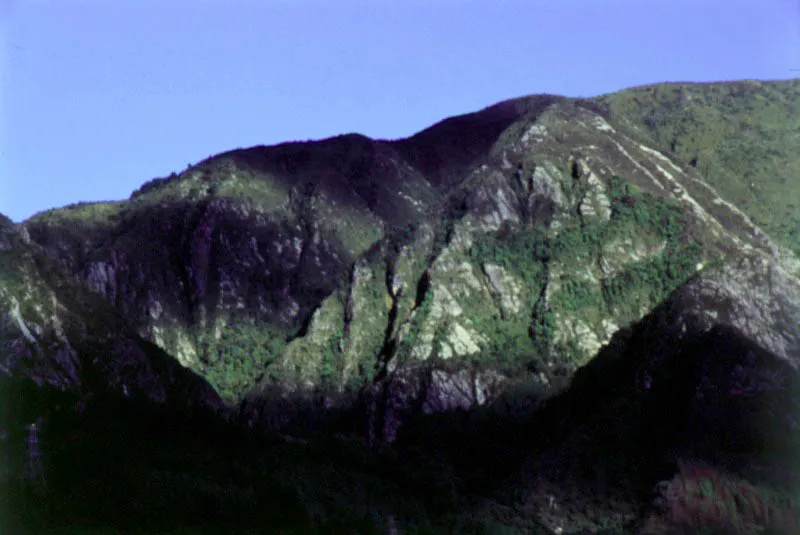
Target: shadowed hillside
552	315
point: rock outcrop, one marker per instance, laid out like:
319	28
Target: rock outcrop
414	275
56	334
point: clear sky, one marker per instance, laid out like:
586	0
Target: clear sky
99	96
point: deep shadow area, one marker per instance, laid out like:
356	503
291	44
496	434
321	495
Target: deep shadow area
135	466
648	400
622	426
448	148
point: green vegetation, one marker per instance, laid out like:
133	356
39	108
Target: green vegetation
742	137
16	262
240	357
701	498
113	466
656	278
530	254
510	347
261	191
653	279
421	312
634	215
75	229
524	252
332	357
83	213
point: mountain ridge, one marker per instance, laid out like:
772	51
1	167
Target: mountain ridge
363	286
331	165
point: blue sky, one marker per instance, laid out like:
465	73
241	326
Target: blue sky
97	97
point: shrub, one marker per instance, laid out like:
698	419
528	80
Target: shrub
701	497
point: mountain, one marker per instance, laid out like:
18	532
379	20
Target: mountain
740	136
554	281
56	333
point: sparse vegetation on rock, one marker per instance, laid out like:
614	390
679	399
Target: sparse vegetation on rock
518	320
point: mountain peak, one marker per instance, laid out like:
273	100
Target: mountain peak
580	269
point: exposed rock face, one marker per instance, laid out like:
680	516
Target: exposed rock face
710	373
458	325
53	332
416	275
753	295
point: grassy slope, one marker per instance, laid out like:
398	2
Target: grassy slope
742	135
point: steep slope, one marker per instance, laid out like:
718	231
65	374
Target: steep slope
710	374
446	150
741	136
55	333
543	254
419	274
541	281
252	239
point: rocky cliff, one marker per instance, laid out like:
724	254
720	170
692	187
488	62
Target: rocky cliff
55	333
516	238
587	250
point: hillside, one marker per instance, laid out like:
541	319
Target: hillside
503	276
741	137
